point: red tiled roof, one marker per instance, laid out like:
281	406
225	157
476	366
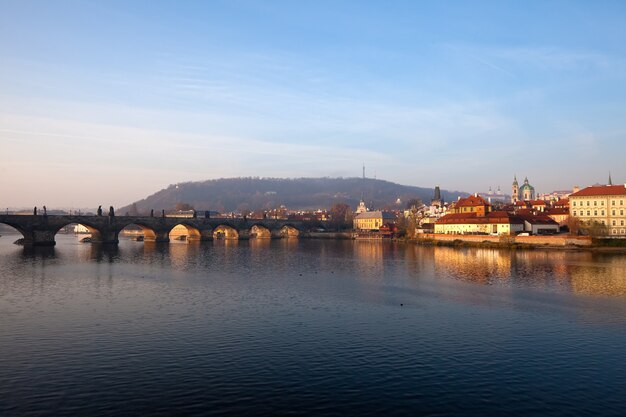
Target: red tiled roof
538	202
597	190
562	202
472	201
538	219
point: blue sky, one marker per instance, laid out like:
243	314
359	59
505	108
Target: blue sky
106	102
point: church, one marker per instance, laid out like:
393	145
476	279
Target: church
524	193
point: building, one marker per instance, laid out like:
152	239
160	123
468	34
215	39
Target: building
539	224
493	223
437	200
494	197
601	204
472	204
373	220
559	215
525	193
362	208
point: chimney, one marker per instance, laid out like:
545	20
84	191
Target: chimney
576	189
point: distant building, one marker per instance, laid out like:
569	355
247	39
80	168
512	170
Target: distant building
496	222
437	198
494	197
525	192
472	204
362	208
373	220
601	204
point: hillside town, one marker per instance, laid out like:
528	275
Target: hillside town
596	211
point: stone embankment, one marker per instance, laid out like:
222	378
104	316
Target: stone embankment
541	241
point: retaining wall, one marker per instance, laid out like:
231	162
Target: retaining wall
559	240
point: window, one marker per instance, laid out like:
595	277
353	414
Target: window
574	204
613	223
602	222
621	202
595	212
603	212
587	203
621	222
602	202
612	202
613	213
621	212
595	203
574	212
588	213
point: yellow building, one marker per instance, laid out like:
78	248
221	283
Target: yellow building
601	204
372	220
495	222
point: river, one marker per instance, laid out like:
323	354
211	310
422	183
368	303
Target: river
309	327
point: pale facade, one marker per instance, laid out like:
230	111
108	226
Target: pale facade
372	220
504	228
604	204
494	223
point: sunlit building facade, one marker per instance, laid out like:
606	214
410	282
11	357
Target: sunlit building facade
601	204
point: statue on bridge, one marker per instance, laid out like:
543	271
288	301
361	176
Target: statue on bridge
163	213
35	211
207	214
111	211
99	210
45	211
151	212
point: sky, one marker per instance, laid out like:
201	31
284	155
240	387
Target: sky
104	103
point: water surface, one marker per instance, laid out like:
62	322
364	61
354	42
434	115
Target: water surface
303	327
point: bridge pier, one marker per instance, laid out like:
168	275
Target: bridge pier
39	238
160	236
105	236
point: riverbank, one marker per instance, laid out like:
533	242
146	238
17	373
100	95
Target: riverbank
559	242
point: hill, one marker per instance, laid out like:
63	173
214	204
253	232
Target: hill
236	194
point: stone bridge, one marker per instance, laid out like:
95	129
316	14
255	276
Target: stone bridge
39	230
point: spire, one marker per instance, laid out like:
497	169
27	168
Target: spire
437	195
515	179
610	181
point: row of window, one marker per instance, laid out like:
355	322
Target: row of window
595	212
595	203
621	232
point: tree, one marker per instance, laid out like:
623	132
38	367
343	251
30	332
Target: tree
596	229
341	216
573	225
183	207
413	203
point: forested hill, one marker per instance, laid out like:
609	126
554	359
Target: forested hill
236	194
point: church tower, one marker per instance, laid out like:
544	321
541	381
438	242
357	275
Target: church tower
515	190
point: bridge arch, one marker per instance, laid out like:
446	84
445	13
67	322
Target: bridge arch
185	232
138	231
225	231
16	228
289	231
82	227
259	231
